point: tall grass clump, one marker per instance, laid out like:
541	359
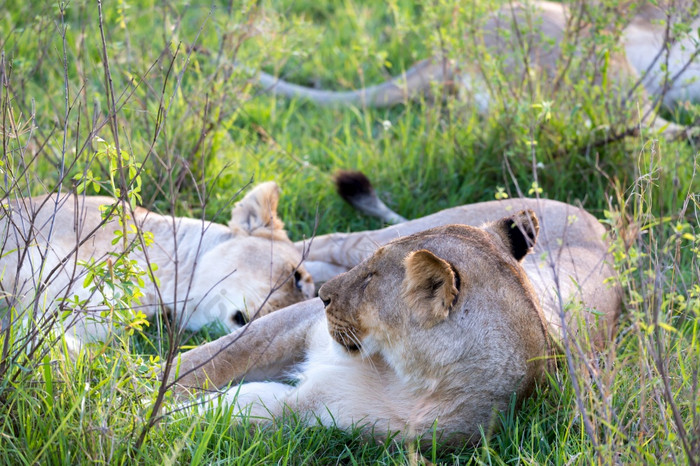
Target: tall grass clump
141	101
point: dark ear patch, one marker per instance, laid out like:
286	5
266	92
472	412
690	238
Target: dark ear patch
518	232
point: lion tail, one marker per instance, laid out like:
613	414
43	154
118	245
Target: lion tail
416	81
356	189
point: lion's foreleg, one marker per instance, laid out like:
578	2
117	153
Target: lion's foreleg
261	401
266	348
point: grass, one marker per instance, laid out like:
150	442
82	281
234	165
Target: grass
202	132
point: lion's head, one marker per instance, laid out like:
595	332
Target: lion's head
252	272
450	310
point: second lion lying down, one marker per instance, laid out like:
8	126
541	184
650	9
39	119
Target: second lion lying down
51	246
443	325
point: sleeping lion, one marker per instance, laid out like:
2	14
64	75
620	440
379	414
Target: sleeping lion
207	272
434	324
532	43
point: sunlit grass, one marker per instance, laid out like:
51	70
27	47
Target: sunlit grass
203	132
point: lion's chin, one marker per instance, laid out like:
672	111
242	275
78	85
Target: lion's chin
353	348
349	344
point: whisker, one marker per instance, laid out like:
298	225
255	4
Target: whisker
363	352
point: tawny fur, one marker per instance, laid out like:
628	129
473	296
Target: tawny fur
570	257
376	359
530	51
430	286
207	272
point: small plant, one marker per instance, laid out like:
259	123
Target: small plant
145	103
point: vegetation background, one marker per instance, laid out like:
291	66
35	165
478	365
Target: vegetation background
82	81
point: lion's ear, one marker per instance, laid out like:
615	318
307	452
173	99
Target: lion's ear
518	232
430	286
256	213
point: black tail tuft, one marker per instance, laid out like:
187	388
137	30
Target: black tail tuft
352	185
356	189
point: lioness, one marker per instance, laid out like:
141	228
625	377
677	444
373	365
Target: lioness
533	39
207	272
441	326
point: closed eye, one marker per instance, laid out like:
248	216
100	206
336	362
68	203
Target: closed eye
366	281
